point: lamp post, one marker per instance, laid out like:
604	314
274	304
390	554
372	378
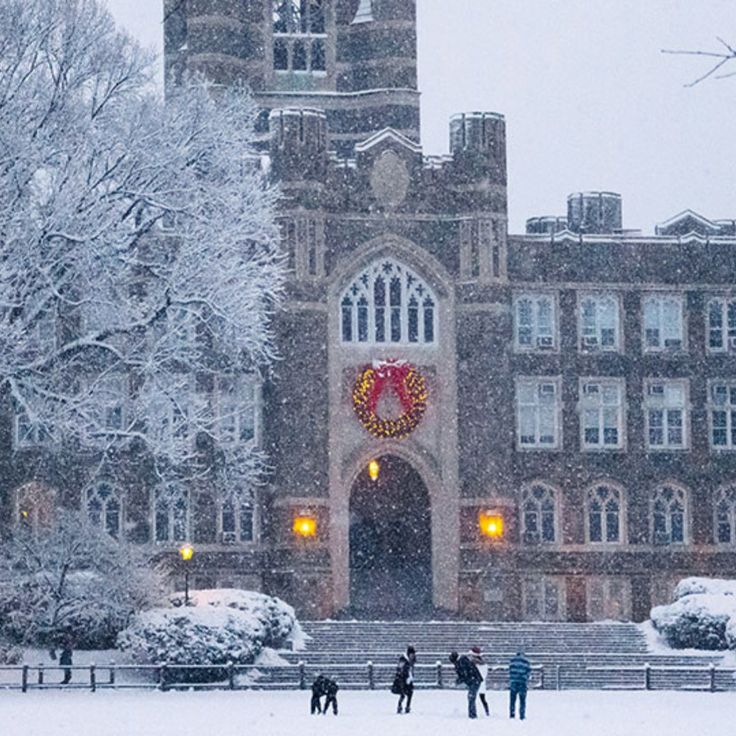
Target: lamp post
186	552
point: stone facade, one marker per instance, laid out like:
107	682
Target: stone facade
568	396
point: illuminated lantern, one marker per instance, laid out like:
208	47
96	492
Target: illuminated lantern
305	526
491	524
374	468
186	552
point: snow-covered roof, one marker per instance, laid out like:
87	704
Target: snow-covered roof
364	13
684	216
391	135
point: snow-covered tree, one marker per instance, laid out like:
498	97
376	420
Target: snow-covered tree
72	578
139	262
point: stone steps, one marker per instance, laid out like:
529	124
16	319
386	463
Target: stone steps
566	656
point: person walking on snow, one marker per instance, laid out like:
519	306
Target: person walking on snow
519	672
403	685
468	675
65	660
476	657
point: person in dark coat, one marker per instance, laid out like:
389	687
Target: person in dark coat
468	675
519	672
318	690
65	660
404	679
331	688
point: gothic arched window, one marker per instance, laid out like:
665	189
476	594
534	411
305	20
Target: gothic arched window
669	516
35	506
171	514
104	508
604	506
726	516
539	515
388	304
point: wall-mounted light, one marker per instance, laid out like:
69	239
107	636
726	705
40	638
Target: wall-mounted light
491	524
305	526
374	470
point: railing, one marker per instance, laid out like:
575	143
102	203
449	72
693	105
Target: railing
166	676
703	678
370	675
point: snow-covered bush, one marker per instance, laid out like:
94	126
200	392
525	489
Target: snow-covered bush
71	579
220	626
280	626
702	616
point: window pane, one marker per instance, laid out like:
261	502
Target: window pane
612	531
280	55
596	530
299	59
548	527
678	527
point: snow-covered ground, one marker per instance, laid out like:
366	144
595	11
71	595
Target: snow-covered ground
435	713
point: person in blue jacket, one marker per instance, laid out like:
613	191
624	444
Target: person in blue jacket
519	672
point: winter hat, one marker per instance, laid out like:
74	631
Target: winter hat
476	650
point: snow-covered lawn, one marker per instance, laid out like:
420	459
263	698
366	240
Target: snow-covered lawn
567	713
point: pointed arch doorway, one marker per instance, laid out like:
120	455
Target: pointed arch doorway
390	543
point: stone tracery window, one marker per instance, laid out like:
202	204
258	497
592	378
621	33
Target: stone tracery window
539	515
725	521
669	516
604	514
388	304
104	508
171	514
35	507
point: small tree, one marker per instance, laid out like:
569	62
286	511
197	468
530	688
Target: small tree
72	578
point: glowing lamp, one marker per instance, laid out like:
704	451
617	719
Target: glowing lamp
305	526
374	468
186	552
491	524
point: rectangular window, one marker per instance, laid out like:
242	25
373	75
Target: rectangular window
538	413
237	408
535	325
666	411
663	324
599	323
722	407
722	325
601	410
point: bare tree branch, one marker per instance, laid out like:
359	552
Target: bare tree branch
724	57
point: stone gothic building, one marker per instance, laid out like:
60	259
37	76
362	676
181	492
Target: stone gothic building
466	422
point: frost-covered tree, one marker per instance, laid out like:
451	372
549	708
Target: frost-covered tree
72	578
139	264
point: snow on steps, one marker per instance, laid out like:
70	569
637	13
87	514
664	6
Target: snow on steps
581	656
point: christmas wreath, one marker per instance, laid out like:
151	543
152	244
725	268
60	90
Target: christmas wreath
408	384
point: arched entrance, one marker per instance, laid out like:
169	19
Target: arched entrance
390	543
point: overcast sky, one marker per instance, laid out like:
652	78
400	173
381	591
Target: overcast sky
590	101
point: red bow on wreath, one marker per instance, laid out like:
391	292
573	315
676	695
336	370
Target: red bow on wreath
391	373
